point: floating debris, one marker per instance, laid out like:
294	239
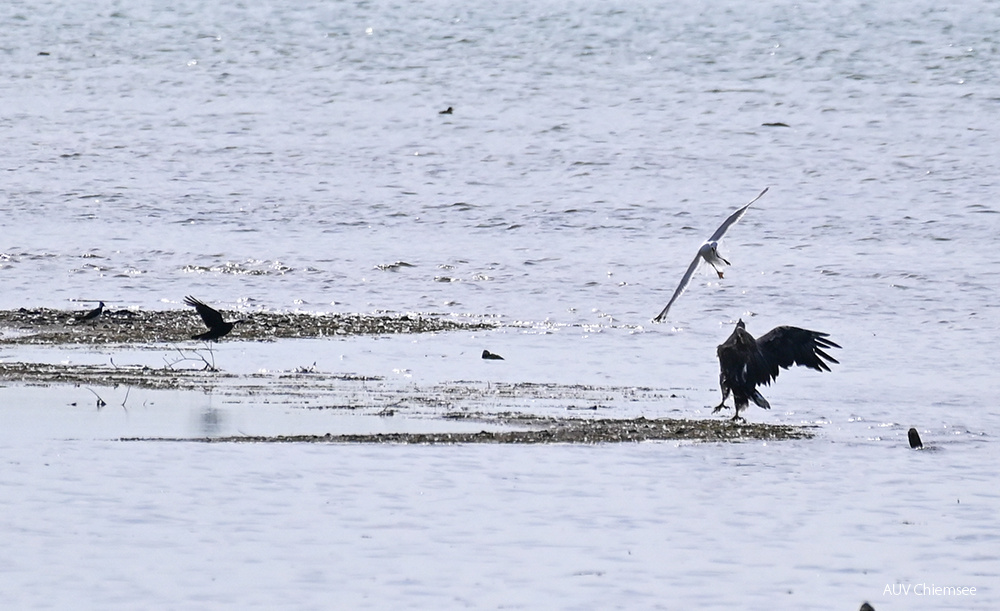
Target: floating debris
393	267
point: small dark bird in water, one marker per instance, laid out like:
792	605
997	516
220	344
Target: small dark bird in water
866	607
745	362
446	111
213	320
92	315
490	356
914	436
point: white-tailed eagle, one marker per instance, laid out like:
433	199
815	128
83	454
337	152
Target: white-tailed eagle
745	362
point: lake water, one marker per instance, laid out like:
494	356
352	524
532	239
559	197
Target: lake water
291	156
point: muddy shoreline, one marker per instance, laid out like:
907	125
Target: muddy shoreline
47	326
538	430
501	407
574	414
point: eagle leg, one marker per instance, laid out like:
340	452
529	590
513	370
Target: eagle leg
737	417
725	395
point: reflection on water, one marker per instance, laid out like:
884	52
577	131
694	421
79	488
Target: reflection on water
211	421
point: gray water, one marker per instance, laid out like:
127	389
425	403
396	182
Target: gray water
292	156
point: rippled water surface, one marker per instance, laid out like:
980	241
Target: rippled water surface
292	156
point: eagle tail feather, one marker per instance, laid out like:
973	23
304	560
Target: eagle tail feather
760	400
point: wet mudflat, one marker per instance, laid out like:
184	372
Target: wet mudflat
51	326
494	405
165	378
525	429
508	412
511	412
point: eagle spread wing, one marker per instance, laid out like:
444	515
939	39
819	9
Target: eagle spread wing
786	346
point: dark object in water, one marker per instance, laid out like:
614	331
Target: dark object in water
490	356
446	111
213	320
866	607
775	124
914	436
92	315
745	362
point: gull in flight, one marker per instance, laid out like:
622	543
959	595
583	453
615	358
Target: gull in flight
708	252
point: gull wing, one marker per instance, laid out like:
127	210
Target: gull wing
721	231
685	281
733	218
210	316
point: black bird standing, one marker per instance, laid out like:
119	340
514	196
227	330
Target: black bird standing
745	362
213	320
91	315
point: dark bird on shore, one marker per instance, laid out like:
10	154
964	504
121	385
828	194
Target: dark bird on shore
92	315
213	320
709	252
446	111
745	362
914	436
491	357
